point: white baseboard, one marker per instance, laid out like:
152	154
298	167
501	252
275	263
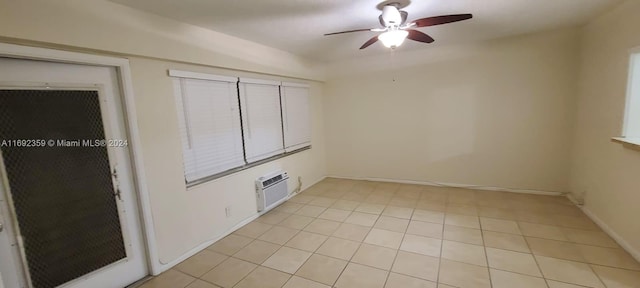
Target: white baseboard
455	185
185	256
314	183
615	236
607	230
166	266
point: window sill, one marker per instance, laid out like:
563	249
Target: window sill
194	183
631	143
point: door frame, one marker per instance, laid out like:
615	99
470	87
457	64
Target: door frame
130	119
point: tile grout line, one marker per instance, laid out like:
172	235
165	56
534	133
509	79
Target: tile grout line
314	253
305	261
444	221
214	266
595	273
260	265
245	276
573	284
299	231
590	265
546	282
194	280
349	261
486	255
398	250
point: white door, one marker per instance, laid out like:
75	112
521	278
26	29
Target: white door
68	204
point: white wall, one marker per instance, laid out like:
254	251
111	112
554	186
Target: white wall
187	218
183	219
493	114
606	171
101	25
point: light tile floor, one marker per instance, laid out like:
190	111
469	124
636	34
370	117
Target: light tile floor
344	233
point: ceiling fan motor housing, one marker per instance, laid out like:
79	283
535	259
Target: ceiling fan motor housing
391	15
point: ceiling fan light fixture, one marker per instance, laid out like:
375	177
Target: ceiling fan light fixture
393	39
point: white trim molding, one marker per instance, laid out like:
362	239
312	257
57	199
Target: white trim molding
259	81
124	75
455	185
166	266
201	76
37	53
631	143
615	236
294	84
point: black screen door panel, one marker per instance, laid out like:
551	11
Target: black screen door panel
63	195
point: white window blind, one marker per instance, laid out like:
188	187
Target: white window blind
295	115
261	118
209	119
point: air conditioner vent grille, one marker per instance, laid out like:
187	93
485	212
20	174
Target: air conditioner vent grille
270	181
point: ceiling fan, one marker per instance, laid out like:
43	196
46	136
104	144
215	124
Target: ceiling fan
396	29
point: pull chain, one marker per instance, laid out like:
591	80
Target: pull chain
392	59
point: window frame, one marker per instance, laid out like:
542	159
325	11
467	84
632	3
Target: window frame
631	139
633	95
206	76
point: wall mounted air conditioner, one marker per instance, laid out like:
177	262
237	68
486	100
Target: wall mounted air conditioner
271	190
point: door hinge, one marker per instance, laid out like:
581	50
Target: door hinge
118	194
114	174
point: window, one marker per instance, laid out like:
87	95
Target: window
209	120
261	118
295	116
632	114
228	124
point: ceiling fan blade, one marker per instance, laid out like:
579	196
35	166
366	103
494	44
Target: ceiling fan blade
349	31
416	35
438	20
368	43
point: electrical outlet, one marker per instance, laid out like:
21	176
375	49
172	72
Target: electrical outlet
227	211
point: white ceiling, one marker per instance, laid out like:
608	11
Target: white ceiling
298	26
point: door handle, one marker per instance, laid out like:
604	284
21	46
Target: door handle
1	227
